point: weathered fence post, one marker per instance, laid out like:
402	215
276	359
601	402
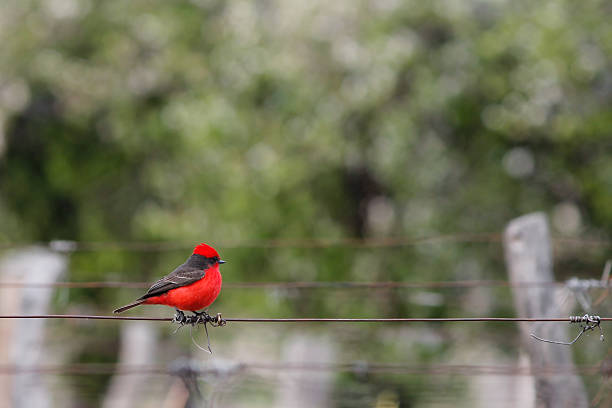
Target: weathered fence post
138	346
529	259
22	341
301	389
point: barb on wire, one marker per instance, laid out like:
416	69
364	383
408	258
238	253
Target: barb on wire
197	319
587	323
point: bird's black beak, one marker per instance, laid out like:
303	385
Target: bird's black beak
221	261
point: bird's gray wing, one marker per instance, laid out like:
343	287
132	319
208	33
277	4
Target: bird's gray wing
182	276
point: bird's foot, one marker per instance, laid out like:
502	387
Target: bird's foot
199	318
202	317
180	318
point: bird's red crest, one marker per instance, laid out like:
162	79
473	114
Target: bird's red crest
205	250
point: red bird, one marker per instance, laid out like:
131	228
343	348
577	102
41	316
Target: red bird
192	286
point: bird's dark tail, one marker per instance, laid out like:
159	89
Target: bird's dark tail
131	305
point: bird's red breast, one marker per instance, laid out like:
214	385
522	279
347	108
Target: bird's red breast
193	297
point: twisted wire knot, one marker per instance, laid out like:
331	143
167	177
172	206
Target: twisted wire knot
199	318
587	323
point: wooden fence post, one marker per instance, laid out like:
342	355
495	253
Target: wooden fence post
22	342
529	259
138	347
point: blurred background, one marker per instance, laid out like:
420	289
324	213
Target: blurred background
308	141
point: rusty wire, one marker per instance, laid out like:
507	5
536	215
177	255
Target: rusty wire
313	319
384	242
298	285
358	367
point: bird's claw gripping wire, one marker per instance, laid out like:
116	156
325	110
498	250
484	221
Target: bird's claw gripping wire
587	323
199	318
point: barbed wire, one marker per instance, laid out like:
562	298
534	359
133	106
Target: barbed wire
569	319
145	246
357	367
68	246
593	284
293	285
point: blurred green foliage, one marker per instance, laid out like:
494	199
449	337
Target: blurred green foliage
219	121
